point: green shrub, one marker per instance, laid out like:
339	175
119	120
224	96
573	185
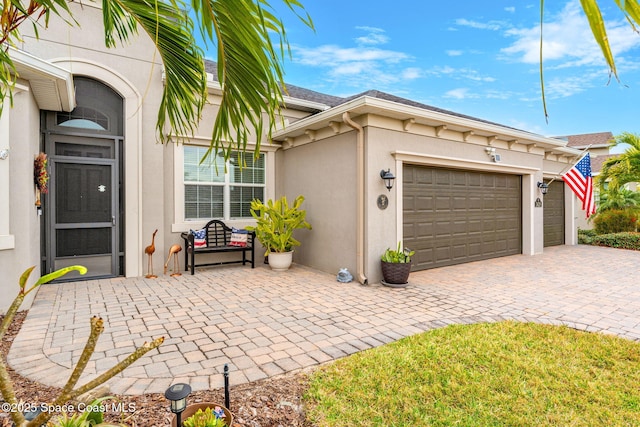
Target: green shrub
585	237
616	221
629	240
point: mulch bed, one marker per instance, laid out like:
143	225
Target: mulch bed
272	402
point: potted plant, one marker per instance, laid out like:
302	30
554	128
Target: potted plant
206	414
396	266
275	223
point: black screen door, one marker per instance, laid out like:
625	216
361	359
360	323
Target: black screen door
84	204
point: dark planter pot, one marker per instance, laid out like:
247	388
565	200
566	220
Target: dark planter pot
395	274
192	409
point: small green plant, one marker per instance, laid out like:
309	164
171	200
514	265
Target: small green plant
398	256
206	418
276	221
70	390
88	418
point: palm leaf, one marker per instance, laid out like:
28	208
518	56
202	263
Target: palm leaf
171	29
624	168
596	22
250	69
631	8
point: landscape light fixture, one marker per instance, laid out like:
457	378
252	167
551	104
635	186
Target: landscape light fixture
388	178
177	394
544	187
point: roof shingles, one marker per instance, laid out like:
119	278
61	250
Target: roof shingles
599	139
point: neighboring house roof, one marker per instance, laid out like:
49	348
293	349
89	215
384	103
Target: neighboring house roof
595	140
598	161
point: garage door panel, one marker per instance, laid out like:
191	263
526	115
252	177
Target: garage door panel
472	215
443	254
422	177
443	203
553	206
425	204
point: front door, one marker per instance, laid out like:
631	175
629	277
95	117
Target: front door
83	202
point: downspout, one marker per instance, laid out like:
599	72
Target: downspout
360	199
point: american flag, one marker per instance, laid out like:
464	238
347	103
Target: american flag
580	181
199	238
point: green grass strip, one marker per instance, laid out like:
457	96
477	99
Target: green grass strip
499	374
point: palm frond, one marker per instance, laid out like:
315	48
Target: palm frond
171	29
624	168
250	69
596	22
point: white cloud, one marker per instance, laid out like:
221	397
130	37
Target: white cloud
459	93
364	67
490	25
375	36
411	73
460	74
454	52
333	55
563	87
568	41
510	9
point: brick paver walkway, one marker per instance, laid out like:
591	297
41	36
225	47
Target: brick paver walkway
264	323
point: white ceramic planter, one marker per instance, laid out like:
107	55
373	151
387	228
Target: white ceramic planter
280	261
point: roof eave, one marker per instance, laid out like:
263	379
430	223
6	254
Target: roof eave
289	102
51	85
367	104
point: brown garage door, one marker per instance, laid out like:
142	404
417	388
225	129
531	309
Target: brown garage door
457	216
553	206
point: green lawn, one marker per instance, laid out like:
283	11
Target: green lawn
499	374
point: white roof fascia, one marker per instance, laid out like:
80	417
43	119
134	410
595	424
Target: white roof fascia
52	86
290	102
361	105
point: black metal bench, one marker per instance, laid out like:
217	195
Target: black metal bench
218	239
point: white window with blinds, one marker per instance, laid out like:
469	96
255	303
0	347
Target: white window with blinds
212	193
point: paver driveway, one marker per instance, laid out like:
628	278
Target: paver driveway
264	323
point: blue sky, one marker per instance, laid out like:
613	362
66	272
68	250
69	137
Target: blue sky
472	57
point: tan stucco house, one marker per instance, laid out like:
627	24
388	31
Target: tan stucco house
466	189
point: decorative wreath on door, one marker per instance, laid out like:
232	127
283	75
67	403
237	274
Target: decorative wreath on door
40	176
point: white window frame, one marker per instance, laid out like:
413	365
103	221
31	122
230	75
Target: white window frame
180	223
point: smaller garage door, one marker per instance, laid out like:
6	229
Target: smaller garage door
455	216
553	206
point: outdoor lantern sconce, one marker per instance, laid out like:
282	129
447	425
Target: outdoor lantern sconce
177	394
544	187
388	178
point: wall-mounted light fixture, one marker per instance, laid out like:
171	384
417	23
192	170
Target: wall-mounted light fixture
4	153
177	395
388	178
491	152
544	187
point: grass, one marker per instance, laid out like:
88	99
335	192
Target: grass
499	374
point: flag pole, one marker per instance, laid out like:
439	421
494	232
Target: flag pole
584	153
